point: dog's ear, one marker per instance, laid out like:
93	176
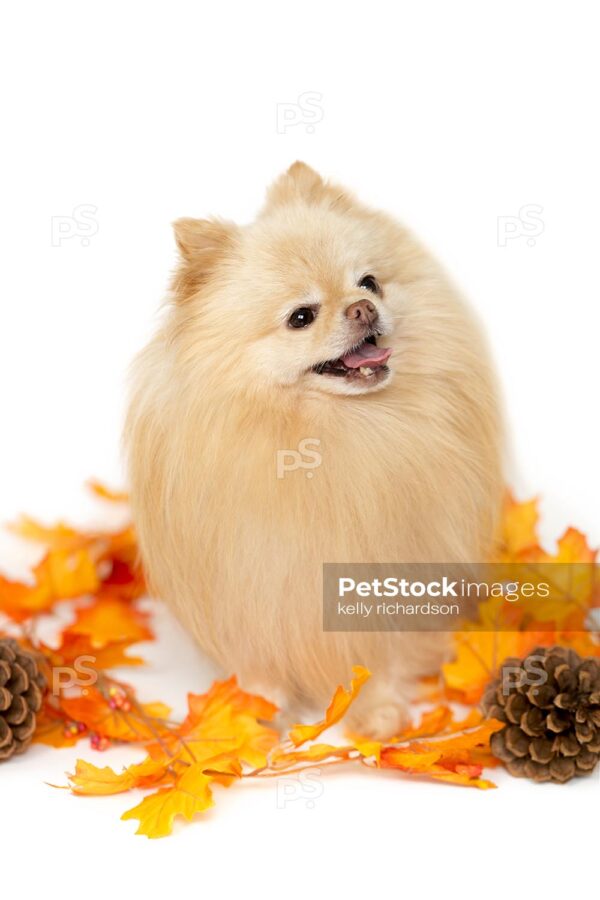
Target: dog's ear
202	244
301	183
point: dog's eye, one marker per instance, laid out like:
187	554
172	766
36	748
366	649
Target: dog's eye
369	284
302	317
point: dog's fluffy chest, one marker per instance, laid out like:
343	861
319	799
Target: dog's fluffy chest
319	488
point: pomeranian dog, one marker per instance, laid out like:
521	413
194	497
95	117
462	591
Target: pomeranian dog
323	321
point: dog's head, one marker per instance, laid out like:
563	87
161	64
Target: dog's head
307	295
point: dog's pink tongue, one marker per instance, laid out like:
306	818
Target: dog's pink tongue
367	355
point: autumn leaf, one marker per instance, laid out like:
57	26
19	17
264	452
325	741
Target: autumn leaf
519	537
223	770
368	749
71	568
157	812
456	760
57	537
428	763
573	548
336	709
74	647
433	721
61	575
227	694
55	729
142	722
504	629
409	759
468	740
106	494
282	759
479	655
226	720
108	621
68	575
89	779
19	601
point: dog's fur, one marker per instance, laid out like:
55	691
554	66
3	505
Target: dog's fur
410	466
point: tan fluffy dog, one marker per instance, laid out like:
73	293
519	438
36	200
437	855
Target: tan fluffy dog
326	322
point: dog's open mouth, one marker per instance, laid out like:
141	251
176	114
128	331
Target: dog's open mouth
364	362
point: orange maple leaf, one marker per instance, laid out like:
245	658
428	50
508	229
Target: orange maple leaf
336	709
138	723
108	621
458	760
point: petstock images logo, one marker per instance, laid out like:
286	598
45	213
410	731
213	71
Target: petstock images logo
450	596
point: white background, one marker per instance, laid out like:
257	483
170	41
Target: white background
449	115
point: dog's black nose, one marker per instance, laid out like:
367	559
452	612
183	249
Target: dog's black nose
364	311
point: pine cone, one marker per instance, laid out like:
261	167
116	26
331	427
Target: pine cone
550	702
21	691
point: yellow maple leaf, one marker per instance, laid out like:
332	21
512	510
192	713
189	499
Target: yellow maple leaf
226	720
89	779
157	812
480	653
519	535
573	548
58	537
100	490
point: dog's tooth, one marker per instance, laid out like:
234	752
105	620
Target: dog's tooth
365	370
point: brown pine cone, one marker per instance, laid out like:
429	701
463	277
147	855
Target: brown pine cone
550	702
21	691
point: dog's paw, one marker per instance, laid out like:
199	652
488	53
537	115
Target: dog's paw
380	721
